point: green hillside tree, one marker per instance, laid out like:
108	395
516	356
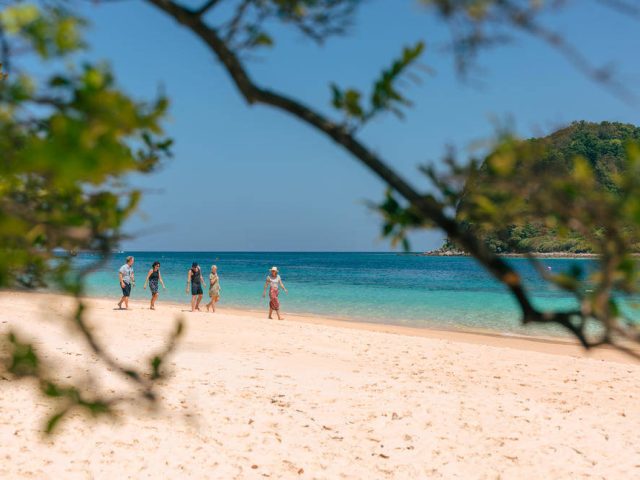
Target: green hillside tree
604	146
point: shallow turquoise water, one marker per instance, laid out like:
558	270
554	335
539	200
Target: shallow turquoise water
450	292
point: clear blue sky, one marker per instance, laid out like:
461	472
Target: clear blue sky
255	179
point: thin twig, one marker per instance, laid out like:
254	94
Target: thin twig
232	25
206	7
622	7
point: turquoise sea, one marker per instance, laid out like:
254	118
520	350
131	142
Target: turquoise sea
390	288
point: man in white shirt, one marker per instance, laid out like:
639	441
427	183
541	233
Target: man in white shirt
126	281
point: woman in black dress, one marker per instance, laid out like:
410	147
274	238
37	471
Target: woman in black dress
153	277
195	279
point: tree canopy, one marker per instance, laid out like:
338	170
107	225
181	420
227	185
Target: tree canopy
69	138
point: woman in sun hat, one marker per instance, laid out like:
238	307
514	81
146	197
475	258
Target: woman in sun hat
274	282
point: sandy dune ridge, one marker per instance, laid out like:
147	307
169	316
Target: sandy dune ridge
301	398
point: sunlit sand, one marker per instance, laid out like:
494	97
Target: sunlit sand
309	398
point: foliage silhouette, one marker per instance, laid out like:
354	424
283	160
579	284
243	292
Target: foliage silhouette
68	143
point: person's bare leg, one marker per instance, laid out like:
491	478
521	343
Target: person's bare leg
270	312
120	302
126	303
198	302
153	301
213	304
208	305
278	314
193	302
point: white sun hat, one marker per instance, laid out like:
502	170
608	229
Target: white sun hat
274	268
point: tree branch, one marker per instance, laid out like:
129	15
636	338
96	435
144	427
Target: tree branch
206	7
425	204
623	7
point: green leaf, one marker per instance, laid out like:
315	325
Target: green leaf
24	361
385	95
262	39
53	421
132	373
155	367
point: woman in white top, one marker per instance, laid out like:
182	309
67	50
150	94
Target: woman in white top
214	288
274	282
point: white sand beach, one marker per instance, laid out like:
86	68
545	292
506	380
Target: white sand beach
310	398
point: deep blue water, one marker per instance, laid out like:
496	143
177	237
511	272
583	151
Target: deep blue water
449	292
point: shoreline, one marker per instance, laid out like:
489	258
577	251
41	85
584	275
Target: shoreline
565	346
547	255
430	253
556	345
376	323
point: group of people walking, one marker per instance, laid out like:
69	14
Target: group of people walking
196	280
195	283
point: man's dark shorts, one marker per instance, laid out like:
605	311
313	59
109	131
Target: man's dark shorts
126	291
196	289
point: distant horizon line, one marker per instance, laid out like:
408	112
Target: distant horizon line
133	251
255	251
